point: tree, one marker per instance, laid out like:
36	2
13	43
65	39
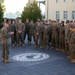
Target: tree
2	9
31	11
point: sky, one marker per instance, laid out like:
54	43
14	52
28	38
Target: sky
17	5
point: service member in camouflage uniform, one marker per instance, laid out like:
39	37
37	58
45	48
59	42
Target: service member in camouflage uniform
50	33
55	33
3	22
72	45
37	33
20	28
11	30
67	32
46	37
62	37
41	34
5	49
15	33
31	32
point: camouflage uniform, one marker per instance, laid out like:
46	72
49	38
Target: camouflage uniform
5	49
55	33
72	46
46	36
67	32
11	29
20	36
1	24
41	36
37	33
31	32
62	37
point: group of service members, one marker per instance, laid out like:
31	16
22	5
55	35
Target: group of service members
46	34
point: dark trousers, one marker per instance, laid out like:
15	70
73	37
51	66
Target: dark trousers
30	37
26	33
12	39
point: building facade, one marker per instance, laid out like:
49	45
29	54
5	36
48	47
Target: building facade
31	1
60	10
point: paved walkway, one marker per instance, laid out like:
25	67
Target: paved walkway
56	63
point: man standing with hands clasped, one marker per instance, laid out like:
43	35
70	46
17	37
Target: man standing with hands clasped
5	48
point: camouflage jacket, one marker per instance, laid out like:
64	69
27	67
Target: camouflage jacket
72	39
5	35
20	27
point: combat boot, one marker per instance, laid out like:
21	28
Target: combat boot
73	61
68	52
7	61
70	57
57	49
36	46
3	60
51	48
23	45
62	51
41	46
12	45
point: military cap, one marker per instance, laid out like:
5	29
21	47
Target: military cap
62	22
71	21
67	21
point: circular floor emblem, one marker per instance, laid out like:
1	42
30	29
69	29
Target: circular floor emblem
28	57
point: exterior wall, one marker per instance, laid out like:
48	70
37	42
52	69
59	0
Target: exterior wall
31	1
52	7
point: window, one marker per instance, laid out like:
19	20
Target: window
57	15
65	0
65	15
57	1
73	15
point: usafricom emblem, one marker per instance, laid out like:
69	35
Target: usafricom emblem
30	57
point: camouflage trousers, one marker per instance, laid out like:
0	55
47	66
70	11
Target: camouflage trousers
36	39
66	46
20	37
62	42
72	49
46	41
5	51
55	41
41	39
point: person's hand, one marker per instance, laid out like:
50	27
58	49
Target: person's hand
19	31
37	33
68	42
12	33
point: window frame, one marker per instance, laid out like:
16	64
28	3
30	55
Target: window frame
65	14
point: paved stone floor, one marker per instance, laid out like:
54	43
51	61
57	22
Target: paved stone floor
56	64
